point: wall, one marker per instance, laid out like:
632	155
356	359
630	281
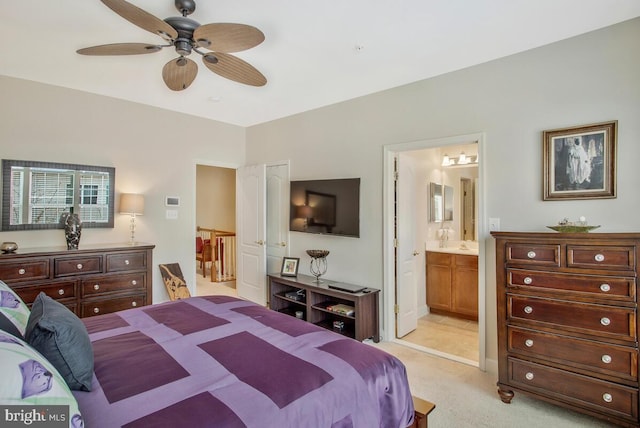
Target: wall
154	152
216	198
586	79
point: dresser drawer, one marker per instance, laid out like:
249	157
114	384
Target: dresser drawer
24	270
106	306
113	283
615	288
599	320
77	266
57	290
601	257
533	254
582	354
573	388
126	261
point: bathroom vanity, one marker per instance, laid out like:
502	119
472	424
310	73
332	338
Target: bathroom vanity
452	282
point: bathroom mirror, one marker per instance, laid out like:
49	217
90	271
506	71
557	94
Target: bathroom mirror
35	194
440	203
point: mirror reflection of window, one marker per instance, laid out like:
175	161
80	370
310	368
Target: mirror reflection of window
36	194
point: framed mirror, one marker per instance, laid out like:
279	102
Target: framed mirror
35	194
440	203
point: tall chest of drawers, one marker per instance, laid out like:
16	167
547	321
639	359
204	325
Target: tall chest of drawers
93	280
568	320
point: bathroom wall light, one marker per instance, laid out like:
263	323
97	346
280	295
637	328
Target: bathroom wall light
461	160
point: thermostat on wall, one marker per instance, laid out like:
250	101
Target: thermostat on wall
172	201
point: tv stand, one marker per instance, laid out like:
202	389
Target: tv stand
318	301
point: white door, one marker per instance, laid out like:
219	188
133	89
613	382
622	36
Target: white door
277	216
250	207
407	252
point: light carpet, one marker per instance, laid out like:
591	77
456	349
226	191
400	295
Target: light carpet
467	397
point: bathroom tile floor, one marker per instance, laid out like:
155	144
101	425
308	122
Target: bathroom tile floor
450	335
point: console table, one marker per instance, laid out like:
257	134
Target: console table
318	297
90	281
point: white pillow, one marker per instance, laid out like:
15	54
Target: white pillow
13	308
28	379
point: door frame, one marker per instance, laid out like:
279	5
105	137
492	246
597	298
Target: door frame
389	268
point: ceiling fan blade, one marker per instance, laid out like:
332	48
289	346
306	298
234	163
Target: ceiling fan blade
141	18
232	67
179	73
120	49
226	37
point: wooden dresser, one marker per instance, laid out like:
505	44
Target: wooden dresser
90	281
568	320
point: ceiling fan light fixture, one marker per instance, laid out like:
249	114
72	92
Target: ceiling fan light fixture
183	47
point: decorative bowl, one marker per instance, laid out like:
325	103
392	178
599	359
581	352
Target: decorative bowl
318	254
570	228
8	247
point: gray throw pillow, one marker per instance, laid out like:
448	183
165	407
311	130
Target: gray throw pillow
60	336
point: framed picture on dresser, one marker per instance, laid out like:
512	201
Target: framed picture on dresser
580	162
289	266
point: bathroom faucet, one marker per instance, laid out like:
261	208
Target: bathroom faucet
444	236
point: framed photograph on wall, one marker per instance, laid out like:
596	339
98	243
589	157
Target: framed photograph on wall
289	266
580	162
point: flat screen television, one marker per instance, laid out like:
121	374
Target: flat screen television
330	207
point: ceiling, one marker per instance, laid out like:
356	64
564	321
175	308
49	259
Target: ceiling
316	53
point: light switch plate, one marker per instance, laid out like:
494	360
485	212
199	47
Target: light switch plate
494	224
172	214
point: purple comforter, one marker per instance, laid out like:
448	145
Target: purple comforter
223	362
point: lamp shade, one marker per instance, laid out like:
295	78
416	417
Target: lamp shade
131	203
304	211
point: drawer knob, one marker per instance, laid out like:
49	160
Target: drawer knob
529	376
528	343
606	359
605	287
607	397
96	310
134	282
61	292
79	266
528	280
22	271
126	262
134	304
599	257
531	254
605	321
528	309
96	286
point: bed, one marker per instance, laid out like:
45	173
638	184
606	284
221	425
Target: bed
219	361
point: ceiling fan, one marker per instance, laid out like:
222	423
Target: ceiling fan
187	36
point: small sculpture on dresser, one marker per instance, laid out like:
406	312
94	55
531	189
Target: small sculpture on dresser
72	229
318	263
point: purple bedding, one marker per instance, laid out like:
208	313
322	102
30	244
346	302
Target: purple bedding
219	361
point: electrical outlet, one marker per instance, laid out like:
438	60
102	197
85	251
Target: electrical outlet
494	224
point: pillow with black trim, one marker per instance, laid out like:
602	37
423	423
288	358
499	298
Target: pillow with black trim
28	379
14	314
59	335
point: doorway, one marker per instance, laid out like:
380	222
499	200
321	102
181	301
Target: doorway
215	210
427	158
